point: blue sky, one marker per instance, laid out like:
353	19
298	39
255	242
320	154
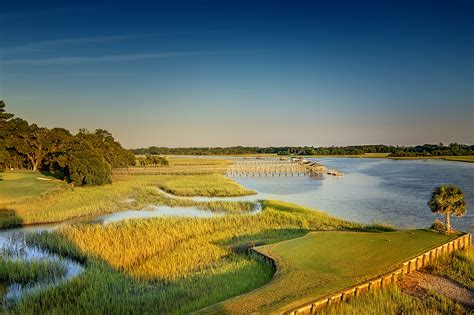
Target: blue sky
222	73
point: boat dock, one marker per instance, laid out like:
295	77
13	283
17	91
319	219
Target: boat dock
246	167
281	167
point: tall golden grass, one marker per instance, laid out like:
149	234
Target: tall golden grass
168	248
169	265
70	203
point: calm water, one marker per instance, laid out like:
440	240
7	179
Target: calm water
374	190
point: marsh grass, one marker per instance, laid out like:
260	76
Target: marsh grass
69	203
393	301
208	185
168	265
30	271
457	266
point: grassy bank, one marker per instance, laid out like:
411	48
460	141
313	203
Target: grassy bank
29	271
393	301
323	262
467	159
209	185
458	266
65	203
169	265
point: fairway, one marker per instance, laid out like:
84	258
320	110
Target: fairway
321	263
15	186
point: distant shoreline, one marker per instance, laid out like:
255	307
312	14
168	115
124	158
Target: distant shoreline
465	159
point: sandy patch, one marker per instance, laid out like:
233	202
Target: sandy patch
419	283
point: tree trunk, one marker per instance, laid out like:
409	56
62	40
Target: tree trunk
36	166
32	161
448	223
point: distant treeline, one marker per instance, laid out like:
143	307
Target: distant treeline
86	158
452	149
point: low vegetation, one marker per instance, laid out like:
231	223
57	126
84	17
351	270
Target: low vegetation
468	159
169	265
458	266
29	271
66	203
210	185
324	262
393	301
151	160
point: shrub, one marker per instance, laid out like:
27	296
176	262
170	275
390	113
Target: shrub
438	226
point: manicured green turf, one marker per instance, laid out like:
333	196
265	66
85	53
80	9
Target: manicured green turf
321	263
15	186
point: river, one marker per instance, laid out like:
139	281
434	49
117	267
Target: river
373	190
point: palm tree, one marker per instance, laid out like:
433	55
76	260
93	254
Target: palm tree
447	200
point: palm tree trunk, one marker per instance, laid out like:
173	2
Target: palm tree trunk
448	222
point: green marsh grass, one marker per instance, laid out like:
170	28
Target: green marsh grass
209	185
30	271
393	301
457	266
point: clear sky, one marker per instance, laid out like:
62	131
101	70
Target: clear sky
224	73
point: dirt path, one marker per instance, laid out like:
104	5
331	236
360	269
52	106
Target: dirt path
418	283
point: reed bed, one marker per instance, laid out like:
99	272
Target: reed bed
30	271
457	266
70	203
169	248
169	265
393	301
209	185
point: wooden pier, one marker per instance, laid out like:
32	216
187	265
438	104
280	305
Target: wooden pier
290	167
250	167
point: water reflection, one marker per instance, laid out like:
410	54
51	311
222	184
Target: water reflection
374	190
13	246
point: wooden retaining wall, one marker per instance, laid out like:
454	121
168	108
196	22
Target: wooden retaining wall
385	280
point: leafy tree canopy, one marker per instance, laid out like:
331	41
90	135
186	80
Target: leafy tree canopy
85	159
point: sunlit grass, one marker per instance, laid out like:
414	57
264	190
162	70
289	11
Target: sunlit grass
69	203
168	248
393	301
210	185
169	265
191	161
458	266
16	186
321	263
